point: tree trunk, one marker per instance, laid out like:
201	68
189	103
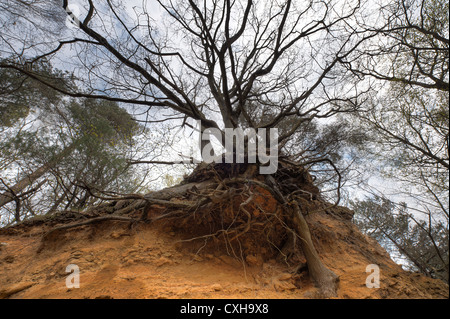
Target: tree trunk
55	206
15	190
8	196
325	279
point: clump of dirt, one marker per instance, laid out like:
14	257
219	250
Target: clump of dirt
232	241
237	224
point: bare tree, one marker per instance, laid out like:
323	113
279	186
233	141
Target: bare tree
411	46
408	64
229	64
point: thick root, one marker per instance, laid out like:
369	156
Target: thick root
325	279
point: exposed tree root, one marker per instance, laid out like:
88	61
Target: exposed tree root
90	221
214	205
326	280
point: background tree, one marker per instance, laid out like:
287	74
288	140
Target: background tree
21	96
68	148
423	244
408	120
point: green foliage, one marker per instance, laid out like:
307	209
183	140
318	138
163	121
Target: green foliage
104	131
86	141
19	94
379	218
13	106
103	120
423	243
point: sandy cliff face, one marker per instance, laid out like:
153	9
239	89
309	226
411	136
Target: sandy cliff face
154	260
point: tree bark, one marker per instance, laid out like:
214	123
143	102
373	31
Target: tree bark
325	279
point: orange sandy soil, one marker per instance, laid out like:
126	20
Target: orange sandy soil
149	261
